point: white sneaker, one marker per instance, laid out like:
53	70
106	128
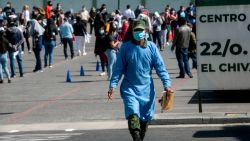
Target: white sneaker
30	51
50	66
79	53
22	52
102	73
84	53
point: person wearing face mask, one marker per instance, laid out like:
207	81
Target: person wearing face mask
157	22
9	10
84	15
135	62
112	47
100	49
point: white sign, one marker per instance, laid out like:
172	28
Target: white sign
223	47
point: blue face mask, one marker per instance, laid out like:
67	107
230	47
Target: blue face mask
139	35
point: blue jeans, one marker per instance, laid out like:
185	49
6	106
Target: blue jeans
193	56
3	66
19	62
37	50
70	42
157	36
112	56
182	58
49	51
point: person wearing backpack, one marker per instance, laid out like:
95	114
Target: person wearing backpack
49	38
37	31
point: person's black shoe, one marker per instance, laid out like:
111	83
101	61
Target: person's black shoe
35	70
21	75
136	135
9	81
190	75
1	81
180	76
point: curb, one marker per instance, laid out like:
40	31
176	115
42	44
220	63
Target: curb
176	119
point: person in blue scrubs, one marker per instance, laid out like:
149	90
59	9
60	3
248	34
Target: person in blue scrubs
135	61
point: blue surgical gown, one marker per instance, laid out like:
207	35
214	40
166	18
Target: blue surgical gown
137	88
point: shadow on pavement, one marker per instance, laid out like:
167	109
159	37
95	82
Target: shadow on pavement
241	133
241	96
6	113
84	81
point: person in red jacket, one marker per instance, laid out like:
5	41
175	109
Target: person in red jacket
48	10
125	27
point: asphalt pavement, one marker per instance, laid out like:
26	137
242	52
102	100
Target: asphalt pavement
46	97
159	133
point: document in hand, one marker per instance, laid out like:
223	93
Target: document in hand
167	101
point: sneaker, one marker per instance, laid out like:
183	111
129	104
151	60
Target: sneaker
102	73
40	70
9	81
84	53
22	52
168	44
79	53
190	76
1	81
21	75
13	76
30	51
50	66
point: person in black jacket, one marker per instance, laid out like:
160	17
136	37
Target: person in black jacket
15	38
100	48
49	38
92	15
80	33
4	47
9	10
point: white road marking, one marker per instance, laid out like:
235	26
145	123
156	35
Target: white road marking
13	131
38	137
69	130
97	125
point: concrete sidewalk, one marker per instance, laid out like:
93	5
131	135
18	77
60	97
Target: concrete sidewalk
47	98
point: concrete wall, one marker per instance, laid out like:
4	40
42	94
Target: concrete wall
152	5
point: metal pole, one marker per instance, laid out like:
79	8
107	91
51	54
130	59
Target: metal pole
143	2
45	3
119	2
94	3
200	101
